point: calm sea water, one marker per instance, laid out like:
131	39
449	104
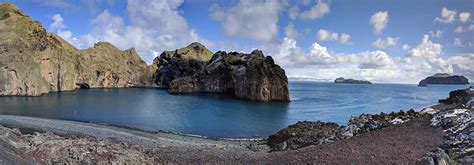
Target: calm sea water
217	116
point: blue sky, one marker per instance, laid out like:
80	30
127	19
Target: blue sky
414	38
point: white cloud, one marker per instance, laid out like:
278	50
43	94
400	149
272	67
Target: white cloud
379	21
58	23
436	34
426	48
251	19
464	16
457	42
447	16
389	42
293	12
459	29
317	11
155	26
325	35
471	27
406	47
290	31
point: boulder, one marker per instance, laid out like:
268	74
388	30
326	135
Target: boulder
248	76
443	78
303	134
458	97
351	81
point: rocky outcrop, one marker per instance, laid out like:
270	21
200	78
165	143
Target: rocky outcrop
105	66
248	76
49	148
187	61
34	62
306	133
460	97
351	81
443	78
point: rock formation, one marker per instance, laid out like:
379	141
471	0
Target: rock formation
443	78
105	66
249	76
351	81
34	62
183	62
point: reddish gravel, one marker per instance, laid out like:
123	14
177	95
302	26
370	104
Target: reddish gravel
401	144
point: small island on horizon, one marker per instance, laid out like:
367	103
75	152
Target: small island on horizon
444	78
351	81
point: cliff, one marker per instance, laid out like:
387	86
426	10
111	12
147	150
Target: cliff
351	81
248	76
183	62
34	62
443	78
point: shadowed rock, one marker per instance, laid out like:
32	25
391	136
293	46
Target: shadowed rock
249	76
443	78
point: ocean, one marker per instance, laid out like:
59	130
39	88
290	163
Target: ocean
219	116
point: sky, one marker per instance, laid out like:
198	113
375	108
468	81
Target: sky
385	41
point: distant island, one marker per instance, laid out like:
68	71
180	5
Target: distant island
351	81
443	78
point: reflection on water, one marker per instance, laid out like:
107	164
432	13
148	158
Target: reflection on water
218	116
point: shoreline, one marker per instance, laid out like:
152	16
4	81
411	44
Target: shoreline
119	133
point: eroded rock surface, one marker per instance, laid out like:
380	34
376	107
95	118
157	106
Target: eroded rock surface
187	61
34	62
249	76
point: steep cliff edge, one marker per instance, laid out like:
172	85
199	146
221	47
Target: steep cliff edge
32	61
248	76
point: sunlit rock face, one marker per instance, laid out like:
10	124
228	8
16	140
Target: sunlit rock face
34	62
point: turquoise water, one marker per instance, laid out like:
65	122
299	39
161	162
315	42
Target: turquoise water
218	116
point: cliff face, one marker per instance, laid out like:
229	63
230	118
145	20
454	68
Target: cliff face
248	76
443	78
105	66
32	61
183	62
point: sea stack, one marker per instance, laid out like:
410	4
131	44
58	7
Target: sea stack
443	78
351	81
251	76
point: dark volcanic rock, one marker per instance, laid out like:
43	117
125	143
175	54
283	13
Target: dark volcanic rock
248	76
303	134
187	61
351	81
306	133
458	97
443	78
